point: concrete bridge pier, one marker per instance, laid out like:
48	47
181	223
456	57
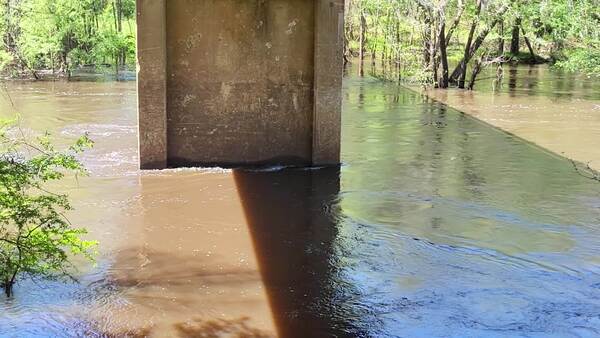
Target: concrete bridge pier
239	82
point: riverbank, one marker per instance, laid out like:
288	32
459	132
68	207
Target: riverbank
84	73
564	120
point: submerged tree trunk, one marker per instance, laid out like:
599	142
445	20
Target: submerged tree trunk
466	57
347	51
373	56
397	52
117	67
10	279
476	70
361	42
475	46
443	83
8	290
433	53
514	41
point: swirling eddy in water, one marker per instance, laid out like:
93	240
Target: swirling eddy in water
36	239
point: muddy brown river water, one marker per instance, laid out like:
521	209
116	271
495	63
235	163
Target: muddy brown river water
557	111
436	226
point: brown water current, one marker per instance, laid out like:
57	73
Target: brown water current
436	225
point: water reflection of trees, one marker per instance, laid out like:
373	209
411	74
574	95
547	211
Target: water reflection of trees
438	174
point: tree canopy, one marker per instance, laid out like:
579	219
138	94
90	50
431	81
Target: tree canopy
437	41
60	35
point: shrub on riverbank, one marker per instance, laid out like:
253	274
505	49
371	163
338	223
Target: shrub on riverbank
586	61
36	239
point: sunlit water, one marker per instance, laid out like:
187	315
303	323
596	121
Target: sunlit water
556	110
436	225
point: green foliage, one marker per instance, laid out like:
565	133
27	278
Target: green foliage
586	61
35	237
62	35
574	44
5	59
405	32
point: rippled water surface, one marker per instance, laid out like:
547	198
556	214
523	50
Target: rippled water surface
436	225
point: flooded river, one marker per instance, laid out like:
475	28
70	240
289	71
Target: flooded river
437	225
556	110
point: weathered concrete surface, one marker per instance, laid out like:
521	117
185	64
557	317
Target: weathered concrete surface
247	82
329	45
152	85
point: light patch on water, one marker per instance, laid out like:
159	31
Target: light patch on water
197	170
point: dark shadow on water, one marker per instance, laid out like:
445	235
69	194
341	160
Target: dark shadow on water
294	230
219	328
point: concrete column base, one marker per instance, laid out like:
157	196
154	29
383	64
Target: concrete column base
236	83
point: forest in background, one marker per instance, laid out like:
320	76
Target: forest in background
446	43
432	42
57	36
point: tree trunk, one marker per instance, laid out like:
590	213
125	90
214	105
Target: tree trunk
114	10
117	67
514	41
475	72
501	38
443	83
347	31
466	57
347	51
361	42
531	52
8	289
373	56
427	41
434	58
455	22
388	35
119	8
9	283
478	42
119	16
397	51
7	34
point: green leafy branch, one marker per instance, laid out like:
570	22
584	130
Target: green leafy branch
36	238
